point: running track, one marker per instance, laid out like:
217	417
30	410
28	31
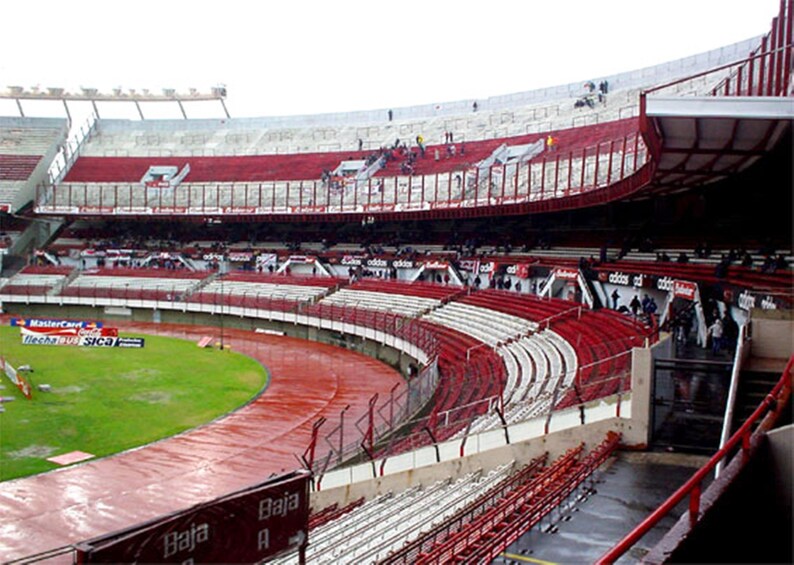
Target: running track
308	380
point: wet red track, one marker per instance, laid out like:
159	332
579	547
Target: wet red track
308	380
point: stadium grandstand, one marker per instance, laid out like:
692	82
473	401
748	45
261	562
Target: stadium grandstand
587	292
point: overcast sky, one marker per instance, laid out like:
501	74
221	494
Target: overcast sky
302	57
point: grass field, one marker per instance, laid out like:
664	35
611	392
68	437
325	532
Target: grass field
106	400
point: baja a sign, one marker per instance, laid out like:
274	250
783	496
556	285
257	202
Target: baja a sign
248	526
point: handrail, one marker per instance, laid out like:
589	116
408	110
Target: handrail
71	150
741	347
547	320
713	70
692	487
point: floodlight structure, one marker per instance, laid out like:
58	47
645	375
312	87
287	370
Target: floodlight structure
117	94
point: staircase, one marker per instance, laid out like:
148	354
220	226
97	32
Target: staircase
197	288
753	388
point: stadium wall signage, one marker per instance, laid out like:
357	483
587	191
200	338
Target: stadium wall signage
264	260
53	323
107	252
747	301
233	256
240	256
78	336
685	289
627	279
248	526
375	262
566	274
352	260
521	270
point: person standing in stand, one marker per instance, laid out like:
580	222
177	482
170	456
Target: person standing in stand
715	331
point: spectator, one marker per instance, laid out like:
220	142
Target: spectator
635	305
721	270
682	258
715	331
650	308
615	299
730	330
768	265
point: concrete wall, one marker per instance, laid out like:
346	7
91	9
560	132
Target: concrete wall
781	448
773	334
638	434
555	443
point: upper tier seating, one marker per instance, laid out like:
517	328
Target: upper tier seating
545	109
309	166
17	167
27	145
250	168
272	166
33	280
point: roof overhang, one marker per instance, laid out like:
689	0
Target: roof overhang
706	139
